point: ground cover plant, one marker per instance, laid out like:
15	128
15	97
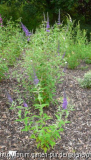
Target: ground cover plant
86	81
43	61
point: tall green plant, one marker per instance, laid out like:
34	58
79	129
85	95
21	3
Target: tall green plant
44	133
42	59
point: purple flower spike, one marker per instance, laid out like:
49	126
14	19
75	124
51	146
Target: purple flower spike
27	33
59	18
63	55
64	106
25	104
28	39
36	81
9	98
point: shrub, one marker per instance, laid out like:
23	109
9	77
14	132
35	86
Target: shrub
86	81
11	42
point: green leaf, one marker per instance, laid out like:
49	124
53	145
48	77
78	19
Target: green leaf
67	122
36	116
38	145
19	107
57	134
26	112
61	129
11	108
33	136
45	149
19	113
26	128
47	145
52	143
58	117
33	128
26	120
18	120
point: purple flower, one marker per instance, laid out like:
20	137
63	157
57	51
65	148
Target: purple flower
64	106
28	39
9	98
27	33
63	55
25	104
48	26
36	81
34	76
59	18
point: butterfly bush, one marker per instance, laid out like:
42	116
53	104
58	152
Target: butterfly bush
44	71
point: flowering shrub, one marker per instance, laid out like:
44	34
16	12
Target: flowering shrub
42	66
44	133
42	62
44	56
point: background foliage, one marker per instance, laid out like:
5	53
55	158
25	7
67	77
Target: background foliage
31	11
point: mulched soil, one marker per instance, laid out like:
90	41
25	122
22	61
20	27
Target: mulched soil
76	137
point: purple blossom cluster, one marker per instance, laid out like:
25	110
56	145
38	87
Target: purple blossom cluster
27	33
34	76
63	55
64	106
36	80
25	104
9	98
